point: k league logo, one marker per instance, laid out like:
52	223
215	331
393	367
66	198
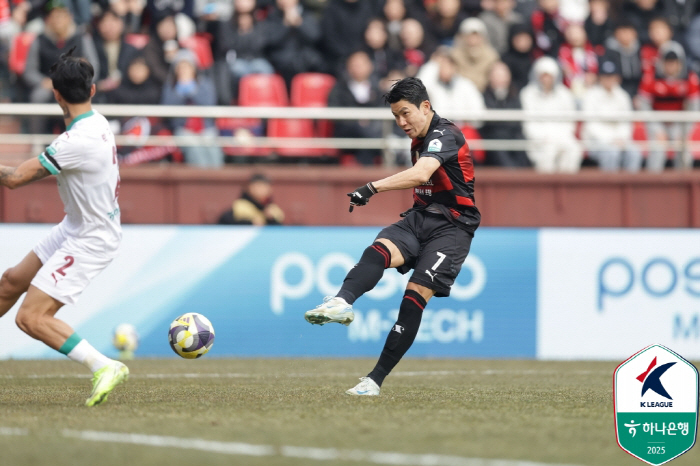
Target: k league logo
655	395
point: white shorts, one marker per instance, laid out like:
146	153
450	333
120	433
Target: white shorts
67	267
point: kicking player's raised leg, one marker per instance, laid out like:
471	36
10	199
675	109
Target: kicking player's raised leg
399	340
15	281
36	318
363	277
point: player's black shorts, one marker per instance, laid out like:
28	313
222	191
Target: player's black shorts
431	245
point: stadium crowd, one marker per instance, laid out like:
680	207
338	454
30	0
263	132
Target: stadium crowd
596	55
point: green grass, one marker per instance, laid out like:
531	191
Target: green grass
551	412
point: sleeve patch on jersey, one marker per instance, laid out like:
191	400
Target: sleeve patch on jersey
49	163
435	146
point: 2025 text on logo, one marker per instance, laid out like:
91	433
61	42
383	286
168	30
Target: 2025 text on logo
655	396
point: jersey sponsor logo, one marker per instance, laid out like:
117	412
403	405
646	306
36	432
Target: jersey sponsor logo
435	146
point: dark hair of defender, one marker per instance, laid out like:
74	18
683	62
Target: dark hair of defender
72	77
411	90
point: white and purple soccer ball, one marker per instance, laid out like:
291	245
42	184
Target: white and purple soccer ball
191	335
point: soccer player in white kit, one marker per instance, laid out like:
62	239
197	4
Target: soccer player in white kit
62	265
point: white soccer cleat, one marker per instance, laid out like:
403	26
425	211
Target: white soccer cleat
366	387
333	309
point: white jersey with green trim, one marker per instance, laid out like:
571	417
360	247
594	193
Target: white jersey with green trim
84	160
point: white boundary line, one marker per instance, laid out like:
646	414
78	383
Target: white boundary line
319	454
243	375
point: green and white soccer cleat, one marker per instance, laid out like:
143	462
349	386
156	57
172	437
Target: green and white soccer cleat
333	309
104	381
366	387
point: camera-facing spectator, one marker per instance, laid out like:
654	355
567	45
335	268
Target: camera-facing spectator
357	88
473	53
186	86
553	146
445	20
293	38
578	60
343	28
498	22
162	46
548	28
448	90
255	206
671	87
131	11
394	12
520	55
501	94
383	57
611	141
137	86
598	25
416	46
660	33
625	45
113	52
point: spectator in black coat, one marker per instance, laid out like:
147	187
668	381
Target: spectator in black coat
343	26
293	36
113	52
384	58
520	54
137	86
598	25
445	21
239	48
357	88
162	46
500	94
625	47
641	13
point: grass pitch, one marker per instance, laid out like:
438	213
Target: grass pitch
252	411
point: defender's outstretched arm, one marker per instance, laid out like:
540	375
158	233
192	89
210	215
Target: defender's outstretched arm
27	172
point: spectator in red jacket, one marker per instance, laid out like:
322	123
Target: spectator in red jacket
548	27
578	60
670	87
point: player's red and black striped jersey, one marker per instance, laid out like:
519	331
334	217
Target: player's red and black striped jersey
451	187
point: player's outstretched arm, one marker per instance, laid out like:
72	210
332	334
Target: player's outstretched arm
27	172
415	176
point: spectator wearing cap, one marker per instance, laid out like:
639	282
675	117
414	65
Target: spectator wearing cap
59	36
552	145
186	86
610	142
473	52
448	90
255	206
498	21
624	44
672	87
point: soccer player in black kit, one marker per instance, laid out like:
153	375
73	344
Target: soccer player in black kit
433	238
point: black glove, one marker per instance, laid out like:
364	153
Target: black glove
361	195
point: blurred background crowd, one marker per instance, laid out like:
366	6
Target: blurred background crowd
593	55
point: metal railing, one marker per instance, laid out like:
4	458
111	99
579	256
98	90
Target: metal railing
387	143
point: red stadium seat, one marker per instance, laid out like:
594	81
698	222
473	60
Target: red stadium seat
19	50
311	89
262	90
137	40
288	128
200	45
474	141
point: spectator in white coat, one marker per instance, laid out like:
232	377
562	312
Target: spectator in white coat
553	146
611	141
448	90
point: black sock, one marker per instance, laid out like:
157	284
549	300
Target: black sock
401	335
367	273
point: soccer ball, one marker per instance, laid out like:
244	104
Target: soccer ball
126	340
191	335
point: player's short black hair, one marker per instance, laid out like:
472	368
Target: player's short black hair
72	77
409	89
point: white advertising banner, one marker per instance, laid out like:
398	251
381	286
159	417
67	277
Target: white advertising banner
607	293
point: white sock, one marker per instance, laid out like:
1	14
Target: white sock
85	354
